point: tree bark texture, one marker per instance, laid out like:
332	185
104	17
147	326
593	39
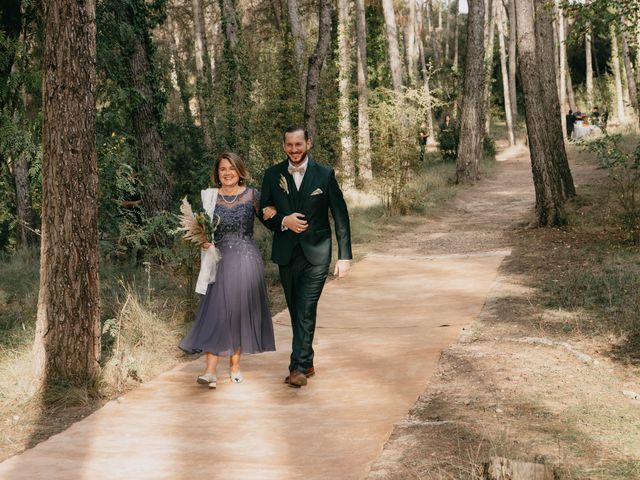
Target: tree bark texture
513	60
67	343
470	148
617	75
546	174
562	61
589	70
364	136
456	30
505	74
344	85
316	61
204	84
411	45
490	9
628	68
181	81
392	44
152	168
545	47
297	31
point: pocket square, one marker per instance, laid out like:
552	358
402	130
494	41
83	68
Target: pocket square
317	191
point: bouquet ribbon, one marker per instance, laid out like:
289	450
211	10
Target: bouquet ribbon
208	258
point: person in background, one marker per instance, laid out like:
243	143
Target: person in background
570	119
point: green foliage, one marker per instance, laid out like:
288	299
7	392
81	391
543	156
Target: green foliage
395	120
624	170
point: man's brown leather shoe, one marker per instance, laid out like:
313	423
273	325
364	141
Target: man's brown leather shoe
309	372
296	379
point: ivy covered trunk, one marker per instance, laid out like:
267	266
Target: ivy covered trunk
364	136
156	187
470	147
67	343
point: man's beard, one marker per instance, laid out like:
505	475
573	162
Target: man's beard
302	158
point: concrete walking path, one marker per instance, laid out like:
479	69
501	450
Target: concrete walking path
379	338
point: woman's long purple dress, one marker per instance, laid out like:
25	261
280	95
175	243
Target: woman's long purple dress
234	314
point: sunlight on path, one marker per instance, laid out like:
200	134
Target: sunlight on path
379	337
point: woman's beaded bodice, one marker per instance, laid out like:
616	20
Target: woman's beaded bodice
236	216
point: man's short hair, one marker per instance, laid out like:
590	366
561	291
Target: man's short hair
296	128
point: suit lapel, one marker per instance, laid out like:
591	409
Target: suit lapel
307	182
292	195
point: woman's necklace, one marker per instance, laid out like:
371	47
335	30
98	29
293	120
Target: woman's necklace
234	198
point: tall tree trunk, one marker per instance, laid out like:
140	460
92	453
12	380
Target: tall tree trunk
615	60
505	74
67	343
411	45
512	60
344	63
152	168
392	44
455	35
545	47
364	137
297	31
628	68
540	91
447	31
431	31
204	85
470	148
562	62
589	69
490	8
316	61
181	81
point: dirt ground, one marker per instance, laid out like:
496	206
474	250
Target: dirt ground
516	385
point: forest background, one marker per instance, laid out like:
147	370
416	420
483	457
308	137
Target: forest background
179	82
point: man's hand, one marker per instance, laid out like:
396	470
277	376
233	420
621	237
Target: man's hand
295	222
268	212
342	268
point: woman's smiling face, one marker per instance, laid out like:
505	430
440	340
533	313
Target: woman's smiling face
227	174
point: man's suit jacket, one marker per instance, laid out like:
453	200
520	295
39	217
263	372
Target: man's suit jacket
319	193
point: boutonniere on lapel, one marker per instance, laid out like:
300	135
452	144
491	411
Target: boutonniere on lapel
283	184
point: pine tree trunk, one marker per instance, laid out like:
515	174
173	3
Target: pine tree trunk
562	63
535	53
628	68
615	60
181	81
570	95
156	191
431	31
490	8
513	61
410	45
470	148
545	47
589	70
204	85
392	44
297	31
447	32
364	137
456	31
344	75
67	342
505	75
316	61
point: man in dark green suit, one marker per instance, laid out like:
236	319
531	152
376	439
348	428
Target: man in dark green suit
303	192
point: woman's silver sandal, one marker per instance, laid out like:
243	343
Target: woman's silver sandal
236	377
207	379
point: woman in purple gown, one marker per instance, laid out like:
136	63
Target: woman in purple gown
233	317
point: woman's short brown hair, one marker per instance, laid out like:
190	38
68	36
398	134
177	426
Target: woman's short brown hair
236	162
